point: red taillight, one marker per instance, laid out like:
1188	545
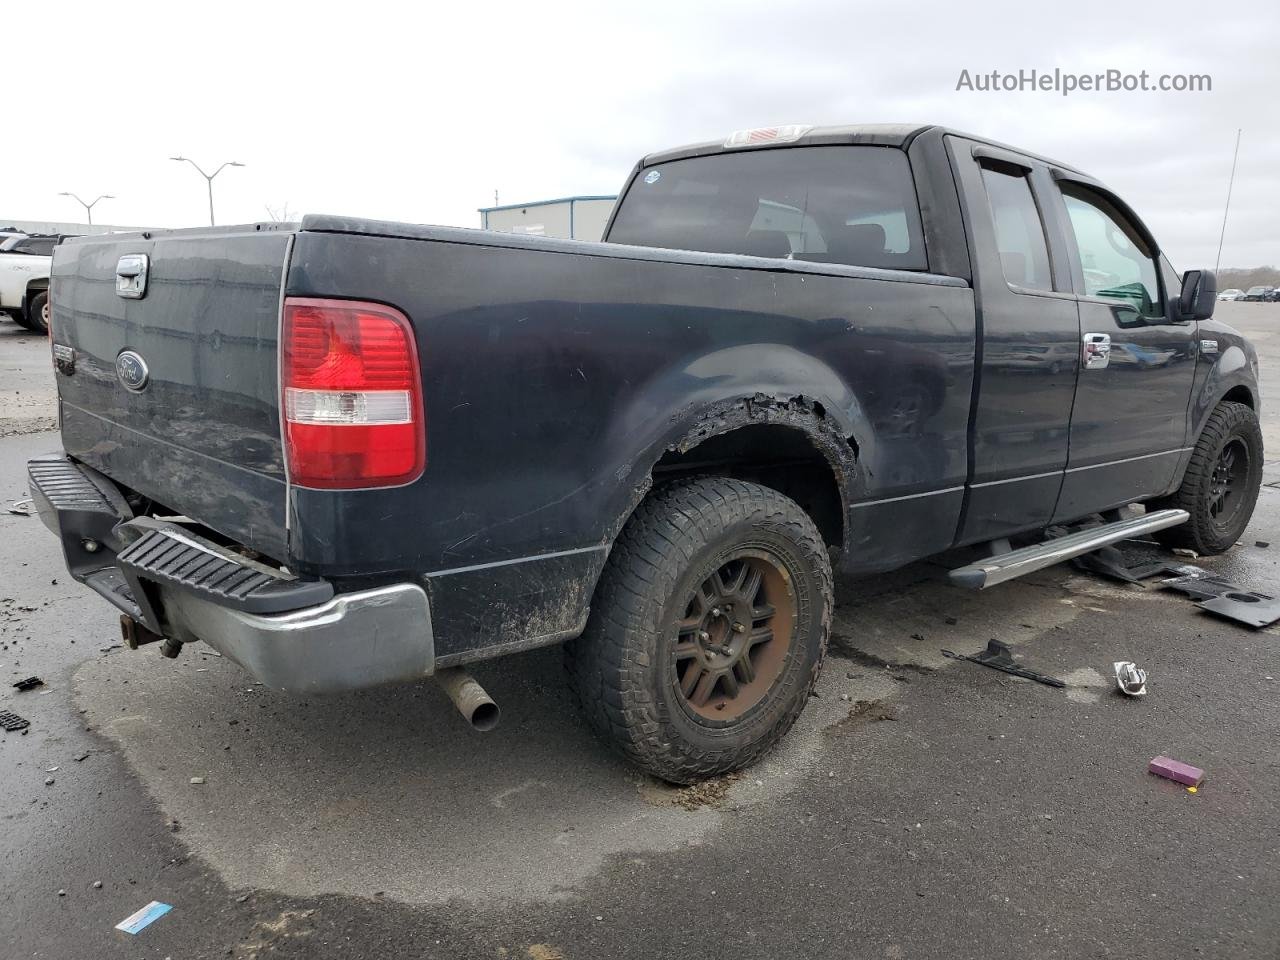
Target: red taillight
351	395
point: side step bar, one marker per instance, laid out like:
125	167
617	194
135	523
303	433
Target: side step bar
1015	563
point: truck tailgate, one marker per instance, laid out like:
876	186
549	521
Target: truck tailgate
175	394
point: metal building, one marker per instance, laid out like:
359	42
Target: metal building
572	218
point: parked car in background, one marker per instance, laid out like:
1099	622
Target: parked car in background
1258	293
24	279
1231	294
346	452
1274	295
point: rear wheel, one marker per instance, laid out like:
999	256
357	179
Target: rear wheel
708	628
37	319
1221	484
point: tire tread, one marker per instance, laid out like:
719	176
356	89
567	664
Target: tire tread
1227	419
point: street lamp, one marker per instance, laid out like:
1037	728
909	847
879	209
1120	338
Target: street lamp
208	177
88	207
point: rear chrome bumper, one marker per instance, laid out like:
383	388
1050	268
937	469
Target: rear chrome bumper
291	633
355	640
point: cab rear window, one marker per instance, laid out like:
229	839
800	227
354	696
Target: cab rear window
851	205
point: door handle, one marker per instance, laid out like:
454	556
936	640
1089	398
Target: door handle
1096	352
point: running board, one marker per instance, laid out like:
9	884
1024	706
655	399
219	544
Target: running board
1015	563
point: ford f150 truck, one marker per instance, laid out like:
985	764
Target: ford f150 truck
347	452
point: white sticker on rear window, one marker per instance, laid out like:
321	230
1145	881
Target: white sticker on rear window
653	176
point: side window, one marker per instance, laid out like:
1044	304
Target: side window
1024	252
1117	262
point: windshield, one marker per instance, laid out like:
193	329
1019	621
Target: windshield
842	204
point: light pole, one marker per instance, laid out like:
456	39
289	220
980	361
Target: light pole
88	207
208	178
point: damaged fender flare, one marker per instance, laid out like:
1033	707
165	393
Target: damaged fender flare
803	414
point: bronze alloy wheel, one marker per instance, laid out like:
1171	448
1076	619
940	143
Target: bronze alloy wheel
733	641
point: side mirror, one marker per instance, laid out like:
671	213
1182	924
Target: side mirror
1199	295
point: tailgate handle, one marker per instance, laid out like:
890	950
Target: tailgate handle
129	267
131	276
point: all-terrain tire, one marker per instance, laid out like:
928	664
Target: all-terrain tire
1218	521
625	668
37	319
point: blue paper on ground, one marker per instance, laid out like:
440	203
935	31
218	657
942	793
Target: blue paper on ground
136	921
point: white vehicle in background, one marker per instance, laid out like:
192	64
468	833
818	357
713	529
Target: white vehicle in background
24	279
1232	294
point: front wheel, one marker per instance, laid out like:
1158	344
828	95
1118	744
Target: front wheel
1221	484
708	628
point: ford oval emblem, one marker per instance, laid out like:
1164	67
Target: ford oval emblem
132	370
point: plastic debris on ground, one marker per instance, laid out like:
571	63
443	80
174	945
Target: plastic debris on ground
21	507
1130	678
30	683
1220	596
998	656
1201	585
135	922
1255	610
1177	771
12	722
1111	562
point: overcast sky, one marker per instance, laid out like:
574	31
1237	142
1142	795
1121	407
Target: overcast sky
418	112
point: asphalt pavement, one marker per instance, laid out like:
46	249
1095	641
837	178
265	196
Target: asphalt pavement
923	807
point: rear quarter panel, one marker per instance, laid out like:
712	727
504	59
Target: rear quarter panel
17	270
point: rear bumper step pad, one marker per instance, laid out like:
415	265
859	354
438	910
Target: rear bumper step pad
118	556
174	557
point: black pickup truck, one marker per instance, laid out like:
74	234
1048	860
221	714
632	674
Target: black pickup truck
347	452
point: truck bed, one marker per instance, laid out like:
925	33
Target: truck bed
556	374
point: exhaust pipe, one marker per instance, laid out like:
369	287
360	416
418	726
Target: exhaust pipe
469	697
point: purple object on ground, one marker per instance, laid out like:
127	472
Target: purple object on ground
1176	771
